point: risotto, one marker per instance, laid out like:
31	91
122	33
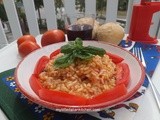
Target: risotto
86	78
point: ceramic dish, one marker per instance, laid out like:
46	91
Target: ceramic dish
27	65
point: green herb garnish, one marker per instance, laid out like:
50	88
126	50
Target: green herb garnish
75	49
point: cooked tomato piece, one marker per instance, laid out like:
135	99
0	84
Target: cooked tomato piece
41	64
55	53
115	58
123	74
61	97
109	95
35	83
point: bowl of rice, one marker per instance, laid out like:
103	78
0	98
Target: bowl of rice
83	78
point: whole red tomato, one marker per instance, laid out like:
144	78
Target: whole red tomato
27	47
26	38
52	36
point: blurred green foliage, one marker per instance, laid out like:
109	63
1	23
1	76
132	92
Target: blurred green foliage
3	15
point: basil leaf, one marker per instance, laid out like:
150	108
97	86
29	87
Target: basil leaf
63	61
72	45
75	49
66	49
82	55
78	43
94	50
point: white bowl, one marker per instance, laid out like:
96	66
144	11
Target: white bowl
26	67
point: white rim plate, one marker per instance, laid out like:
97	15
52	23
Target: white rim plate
26	67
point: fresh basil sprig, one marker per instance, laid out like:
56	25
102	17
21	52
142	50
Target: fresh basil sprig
75	49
